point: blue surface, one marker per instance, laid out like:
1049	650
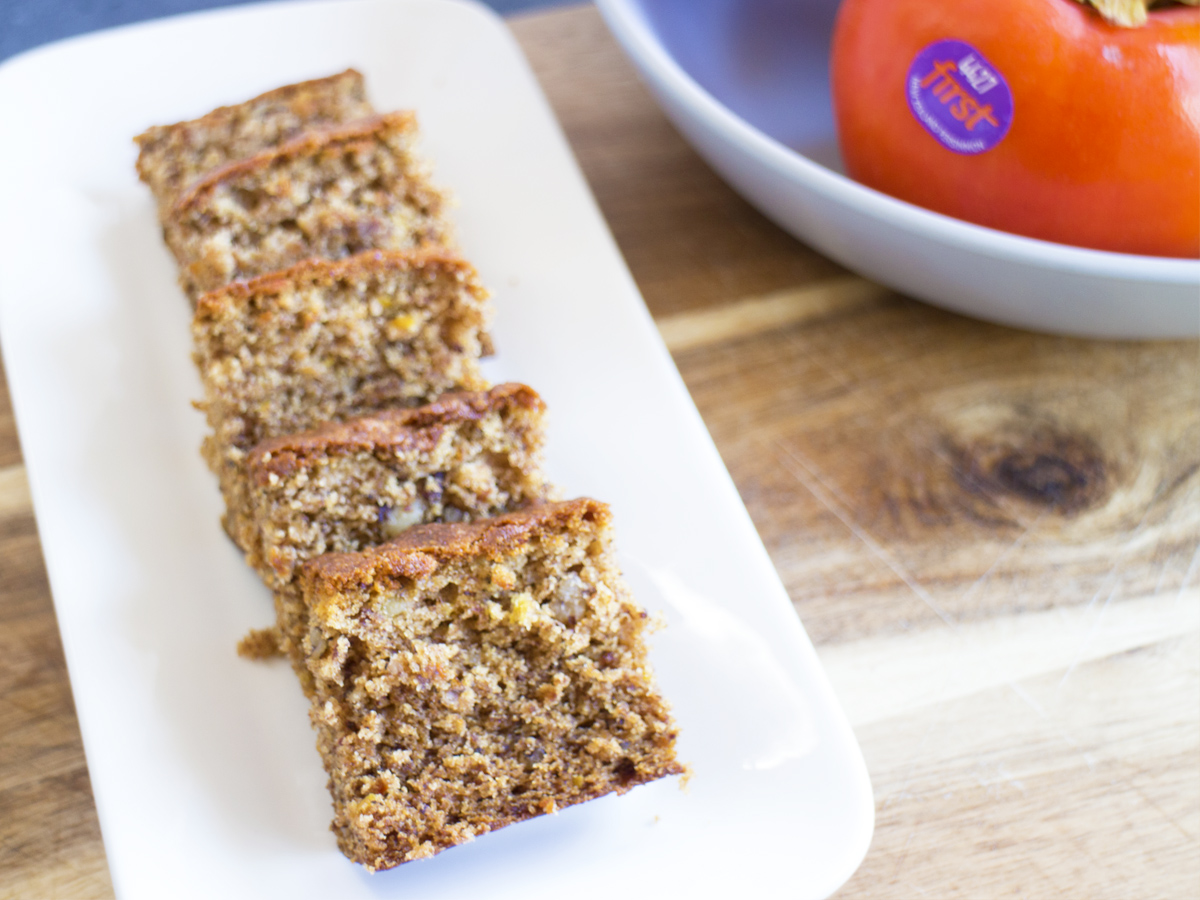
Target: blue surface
30	23
766	60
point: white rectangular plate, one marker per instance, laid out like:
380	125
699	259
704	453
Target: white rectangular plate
203	766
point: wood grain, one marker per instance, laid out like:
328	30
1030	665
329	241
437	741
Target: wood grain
753	316
992	536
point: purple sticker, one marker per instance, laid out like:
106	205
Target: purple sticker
960	97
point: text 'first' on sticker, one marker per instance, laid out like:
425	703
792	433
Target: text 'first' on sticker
959	97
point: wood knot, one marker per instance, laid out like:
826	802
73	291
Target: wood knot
1048	479
1063	473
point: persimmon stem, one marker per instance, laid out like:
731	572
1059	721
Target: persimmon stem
1130	13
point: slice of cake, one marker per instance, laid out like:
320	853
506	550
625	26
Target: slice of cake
172	157
468	676
326	194
346	486
353	485
329	341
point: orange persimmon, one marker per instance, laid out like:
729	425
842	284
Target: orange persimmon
1036	117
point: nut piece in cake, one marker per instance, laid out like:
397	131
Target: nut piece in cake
468	676
327	194
172	157
328	341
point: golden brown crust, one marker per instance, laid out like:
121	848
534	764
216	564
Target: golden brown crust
323	272
401	428
327	194
423	547
173	156
306	144
350	82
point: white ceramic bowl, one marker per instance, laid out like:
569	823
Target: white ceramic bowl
747	83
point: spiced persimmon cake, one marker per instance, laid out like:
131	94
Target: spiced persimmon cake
171	157
326	194
468	676
328	341
347	486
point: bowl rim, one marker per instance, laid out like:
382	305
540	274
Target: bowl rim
628	22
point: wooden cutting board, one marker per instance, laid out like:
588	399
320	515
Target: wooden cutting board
993	538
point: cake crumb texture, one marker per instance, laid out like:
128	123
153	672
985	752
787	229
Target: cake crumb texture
260	643
327	341
468	676
325	194
350	485
172	157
